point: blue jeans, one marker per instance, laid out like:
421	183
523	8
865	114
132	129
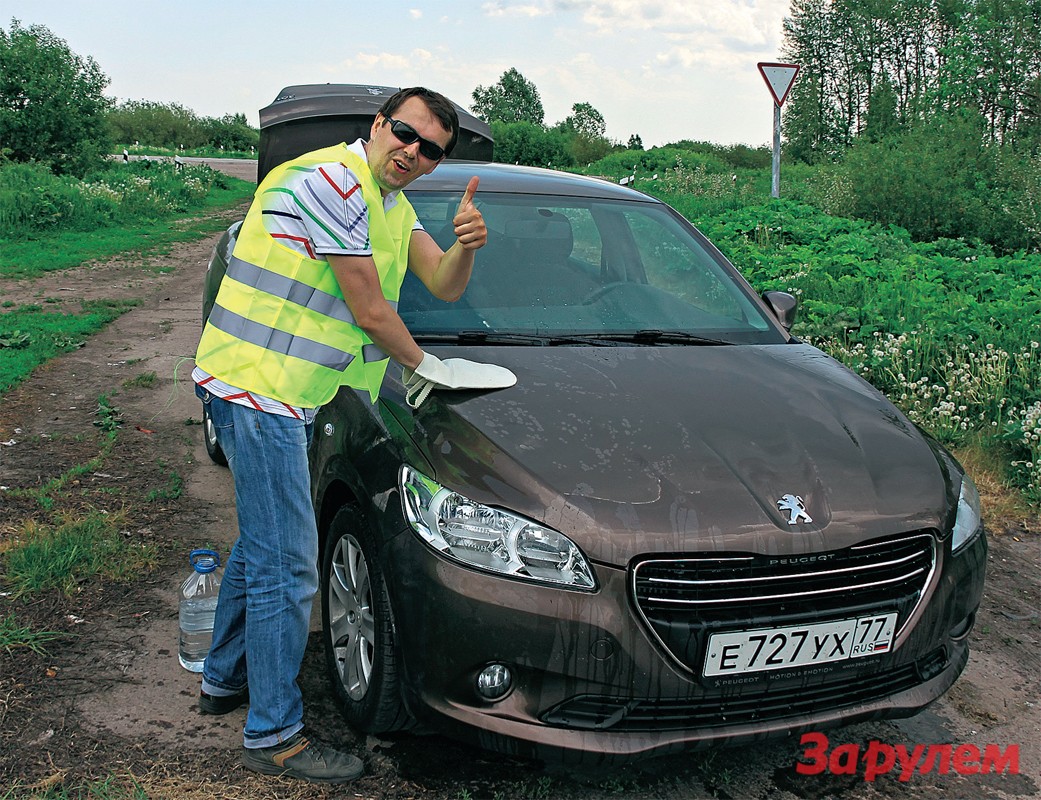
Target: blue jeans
264	608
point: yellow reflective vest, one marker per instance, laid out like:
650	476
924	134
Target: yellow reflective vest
280	326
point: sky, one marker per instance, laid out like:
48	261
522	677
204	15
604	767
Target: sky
664	70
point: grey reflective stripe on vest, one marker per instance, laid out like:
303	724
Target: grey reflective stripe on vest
371	352
278	341
294	291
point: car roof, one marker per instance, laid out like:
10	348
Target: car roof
452	176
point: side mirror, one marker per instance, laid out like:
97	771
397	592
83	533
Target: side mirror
784	307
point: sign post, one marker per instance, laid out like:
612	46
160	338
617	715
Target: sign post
779	79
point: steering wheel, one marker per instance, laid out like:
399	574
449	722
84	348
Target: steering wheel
604	290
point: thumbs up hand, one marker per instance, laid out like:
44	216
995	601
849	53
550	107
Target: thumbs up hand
470	229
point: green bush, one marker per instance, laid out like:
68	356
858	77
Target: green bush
33	200
940	179
654	161
532	145
1021	173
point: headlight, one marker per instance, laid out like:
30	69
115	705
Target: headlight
967	523
489	539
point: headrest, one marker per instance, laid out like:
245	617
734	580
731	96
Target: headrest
547	236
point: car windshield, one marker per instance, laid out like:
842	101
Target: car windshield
567	270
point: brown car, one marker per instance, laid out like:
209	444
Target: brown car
681	527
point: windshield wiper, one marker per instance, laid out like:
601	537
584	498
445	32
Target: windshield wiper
656	336
643	336
492	337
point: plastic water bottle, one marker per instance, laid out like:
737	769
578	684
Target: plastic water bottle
197	607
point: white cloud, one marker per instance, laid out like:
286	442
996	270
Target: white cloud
386	62
715	26
502	8
415	13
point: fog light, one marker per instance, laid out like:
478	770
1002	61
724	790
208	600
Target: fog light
494	682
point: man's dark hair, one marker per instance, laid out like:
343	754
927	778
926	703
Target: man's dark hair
439	105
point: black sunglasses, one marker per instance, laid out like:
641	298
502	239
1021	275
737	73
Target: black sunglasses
406	134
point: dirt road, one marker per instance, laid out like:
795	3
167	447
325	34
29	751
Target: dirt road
109	698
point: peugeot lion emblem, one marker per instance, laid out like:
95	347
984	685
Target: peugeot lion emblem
793	504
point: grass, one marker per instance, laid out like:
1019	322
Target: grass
73	550
13	635
989	470
63	250
146	380
173	489
30	335
54	787
108	421
207	151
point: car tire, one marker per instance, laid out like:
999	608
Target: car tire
209	436
361	656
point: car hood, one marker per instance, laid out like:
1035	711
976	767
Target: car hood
630	450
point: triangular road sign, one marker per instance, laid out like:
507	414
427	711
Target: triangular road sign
779	79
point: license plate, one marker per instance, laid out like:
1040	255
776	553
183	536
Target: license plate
799	645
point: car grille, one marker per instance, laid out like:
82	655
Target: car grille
597	712
684	600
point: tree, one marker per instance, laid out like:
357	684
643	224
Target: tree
513	99
585	121
52	109
231	132
635	142
869	66
156	124
882	112
586	129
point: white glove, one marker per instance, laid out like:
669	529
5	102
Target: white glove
452	373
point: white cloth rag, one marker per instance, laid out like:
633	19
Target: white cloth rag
452	373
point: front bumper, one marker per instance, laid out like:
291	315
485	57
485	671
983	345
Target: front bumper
591	683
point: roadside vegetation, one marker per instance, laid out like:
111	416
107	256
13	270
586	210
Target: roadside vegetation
948	329
52	222
148	128
64	202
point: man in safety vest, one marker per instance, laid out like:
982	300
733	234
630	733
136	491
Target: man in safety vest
308	303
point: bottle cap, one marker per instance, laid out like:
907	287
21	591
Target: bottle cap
204	560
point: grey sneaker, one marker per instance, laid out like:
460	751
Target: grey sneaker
300	757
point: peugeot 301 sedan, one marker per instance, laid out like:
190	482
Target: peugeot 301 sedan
681	527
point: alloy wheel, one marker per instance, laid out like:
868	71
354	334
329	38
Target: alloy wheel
351	625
